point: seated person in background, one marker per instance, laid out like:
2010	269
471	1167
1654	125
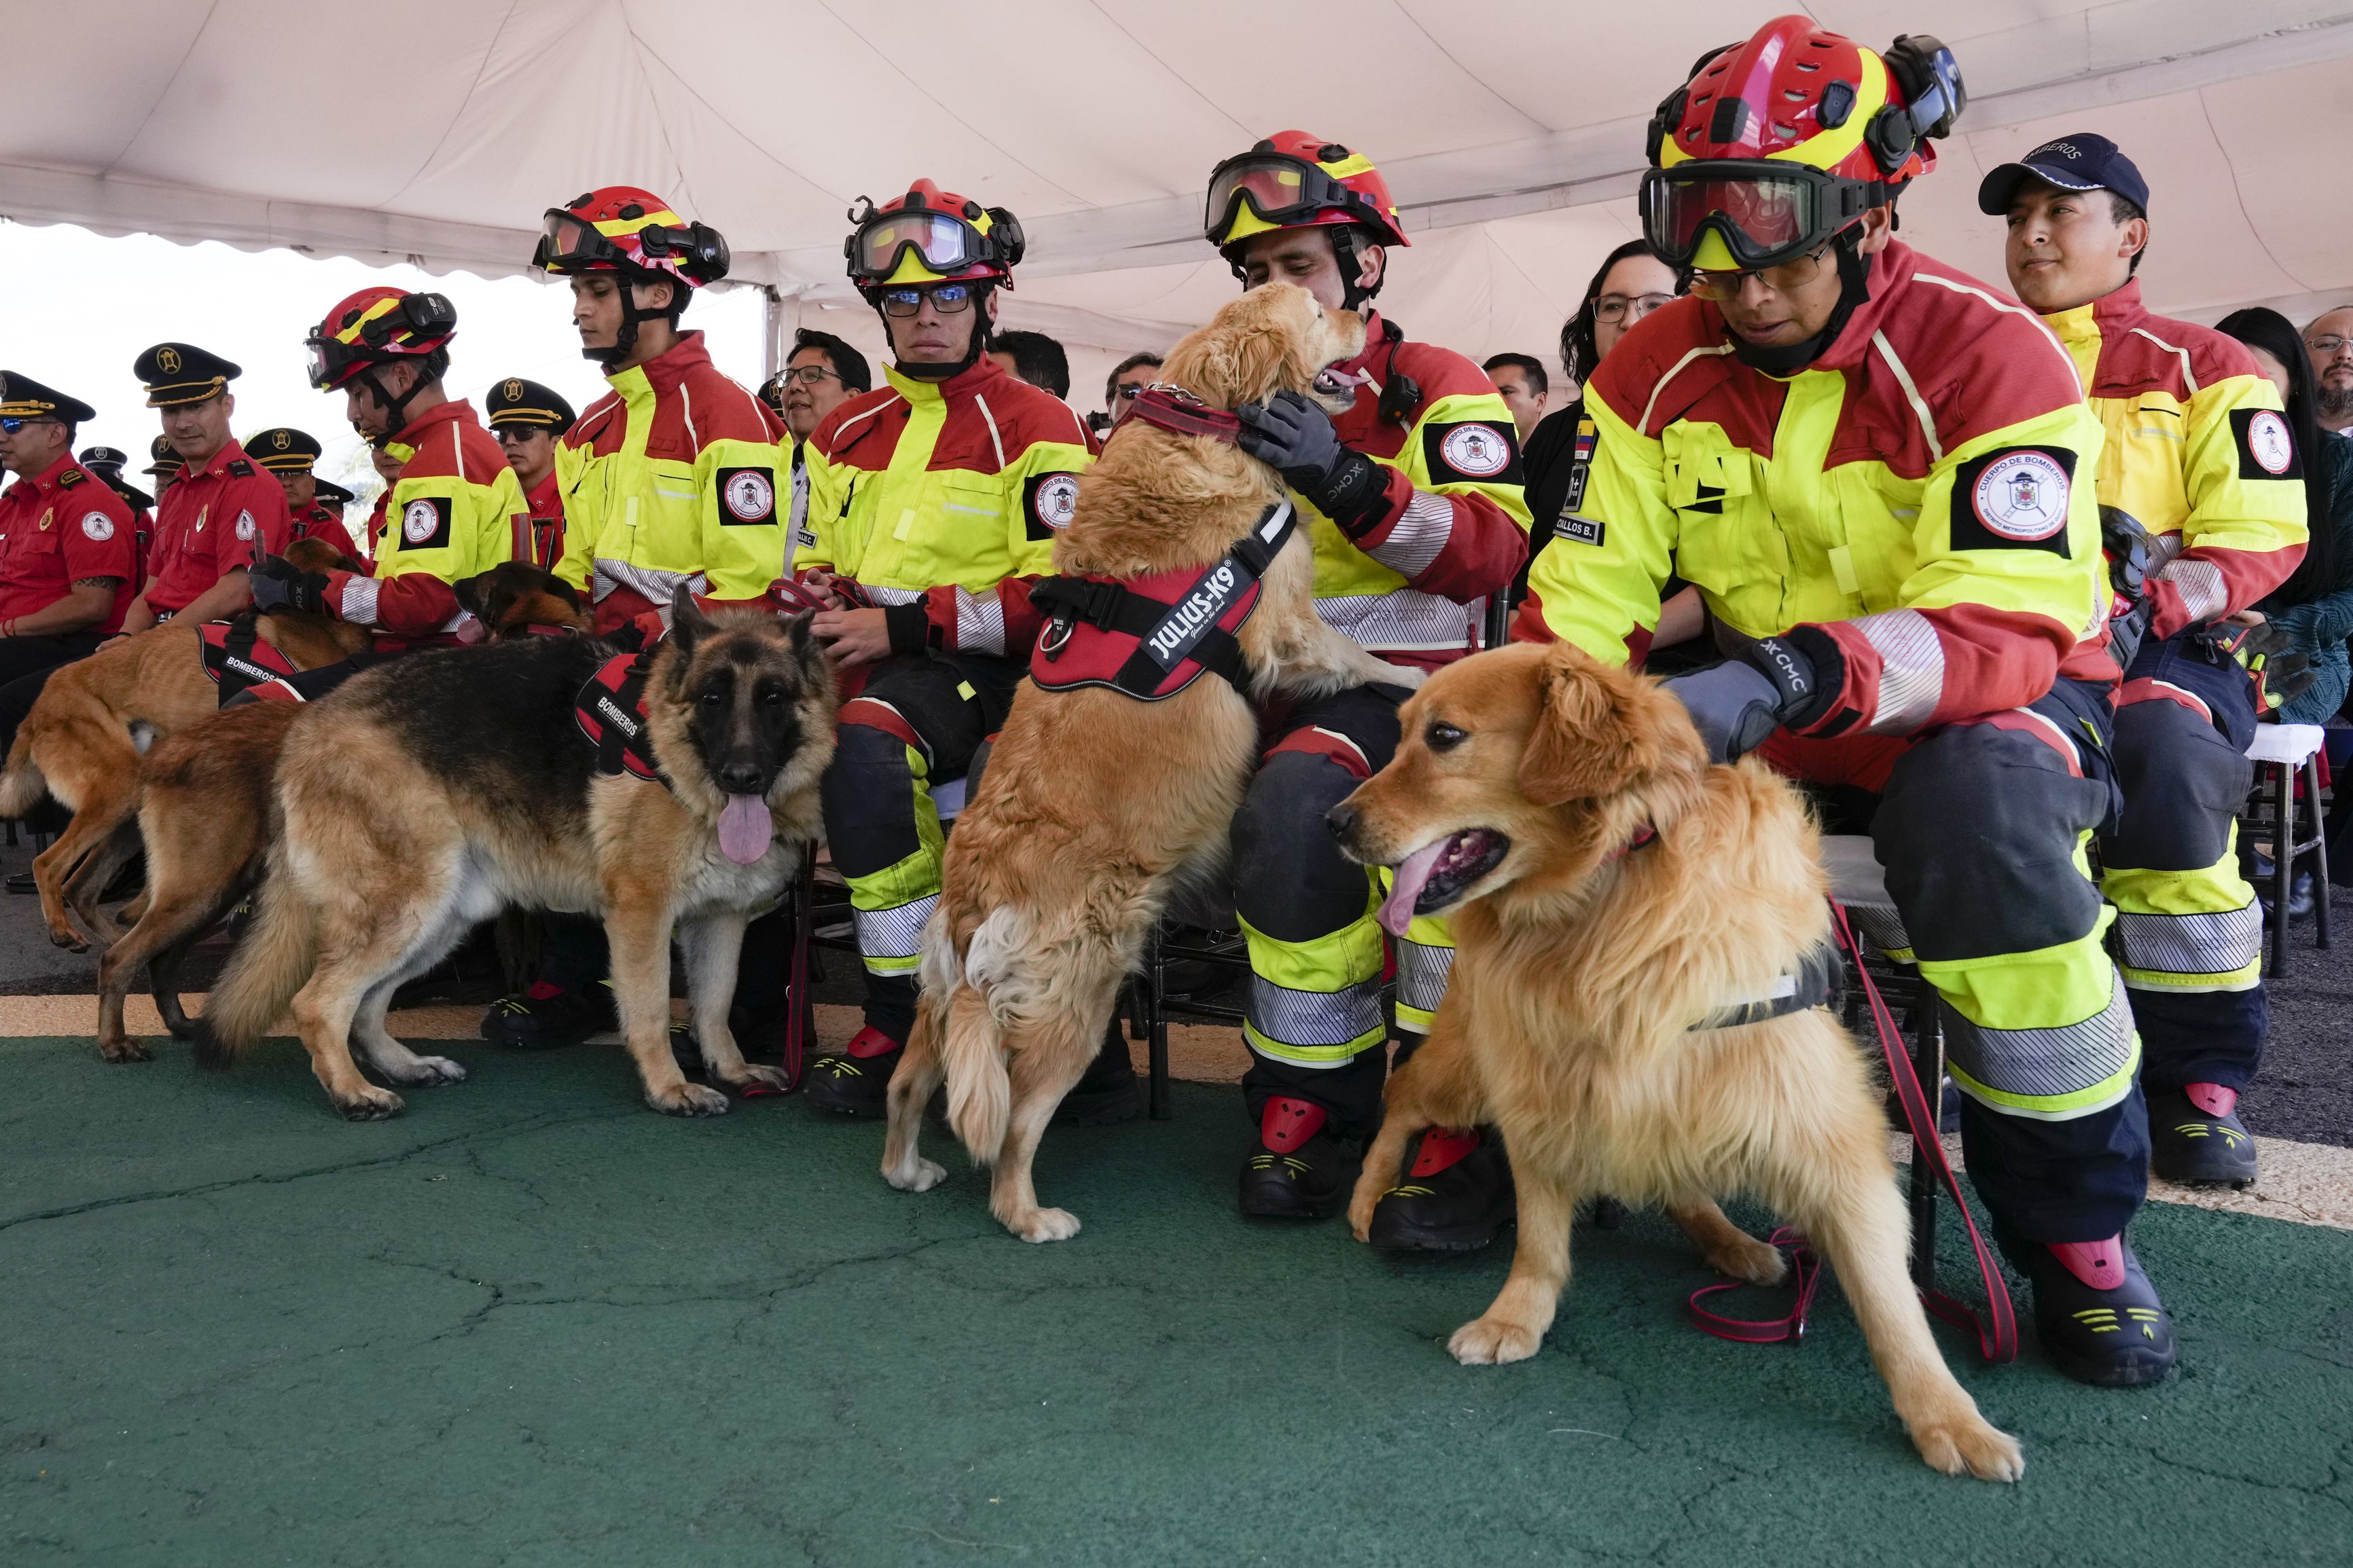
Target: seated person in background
220	512
2329	345
290	454
107	463
388	470
456	510
1631	283
1521	382
528	420
1032	357
821	373
1128	377
67	552
934	503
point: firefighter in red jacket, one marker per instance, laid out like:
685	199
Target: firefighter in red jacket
1413	507
314	506
221	513
107	463
933	506
529	419
1878	473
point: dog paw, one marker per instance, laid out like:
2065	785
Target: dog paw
370	1104
928	1174
688	1099
1360	1216
754	1073
425	1072
71	941
1971	1445
124	1051
1758	1262
1491	1341
1045	1224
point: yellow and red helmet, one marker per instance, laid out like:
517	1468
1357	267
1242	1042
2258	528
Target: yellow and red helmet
621	228
931	235
377	326
1295	180
1777	144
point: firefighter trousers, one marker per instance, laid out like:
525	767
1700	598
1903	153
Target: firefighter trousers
1984	828
2190	933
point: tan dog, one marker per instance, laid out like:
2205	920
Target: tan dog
204	812
1526	795
1094	802
81	742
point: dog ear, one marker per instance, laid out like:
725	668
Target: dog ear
796	628
1587	740
552	584
688	624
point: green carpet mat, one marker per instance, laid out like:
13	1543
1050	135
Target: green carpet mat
531	1323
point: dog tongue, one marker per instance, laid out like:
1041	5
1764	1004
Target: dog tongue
745	828
469	630
1408	880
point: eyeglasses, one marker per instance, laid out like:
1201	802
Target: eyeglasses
1126	390
11	426
1619	307
1785	278
2326	343
810	375
515	433
947	299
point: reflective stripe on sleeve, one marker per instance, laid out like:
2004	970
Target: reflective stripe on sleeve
1419	537
2204	594
980	622
358	604
1406	620
1912	669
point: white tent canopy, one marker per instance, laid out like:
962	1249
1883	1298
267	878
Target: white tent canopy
437	132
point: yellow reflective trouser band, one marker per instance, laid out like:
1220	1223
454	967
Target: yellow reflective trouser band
2046	1034
1317	1003
890	906
1883	928
2188	931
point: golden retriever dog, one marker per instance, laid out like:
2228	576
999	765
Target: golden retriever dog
82	739
1612	891
1095	803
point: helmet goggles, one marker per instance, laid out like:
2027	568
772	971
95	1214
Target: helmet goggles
1765	211
1280	189
569	243
945	244
407	326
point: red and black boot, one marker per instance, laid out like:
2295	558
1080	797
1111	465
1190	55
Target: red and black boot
1297	1171
1457	1197
2195	1136
2096	1311
857	1081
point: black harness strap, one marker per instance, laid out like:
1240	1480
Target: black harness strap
611	712
1816	982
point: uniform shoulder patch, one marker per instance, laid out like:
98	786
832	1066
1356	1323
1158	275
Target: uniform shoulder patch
2266	447
747	496
425	523
97	527
245	527
2016	498
1472	451
70	477
1049	502
239	469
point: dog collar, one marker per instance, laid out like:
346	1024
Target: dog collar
1816	981
1174	409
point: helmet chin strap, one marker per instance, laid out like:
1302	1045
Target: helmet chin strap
397	408
625	340
973	351
1787	358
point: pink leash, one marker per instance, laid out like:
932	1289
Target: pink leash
1997	1332
796	1029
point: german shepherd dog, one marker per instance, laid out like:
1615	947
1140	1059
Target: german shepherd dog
204	812
433	791
82	739
1614	891
1096	804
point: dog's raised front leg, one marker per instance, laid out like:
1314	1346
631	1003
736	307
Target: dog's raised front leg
1514	1326
637	933
1434	1088
715	949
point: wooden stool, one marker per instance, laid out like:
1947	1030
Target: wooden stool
2280	752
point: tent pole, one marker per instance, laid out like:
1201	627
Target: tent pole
772	317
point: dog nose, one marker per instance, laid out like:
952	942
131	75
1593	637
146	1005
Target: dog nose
1340	821
739	778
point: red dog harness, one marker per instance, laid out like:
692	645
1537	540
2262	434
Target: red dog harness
237	659
611	712
1152	637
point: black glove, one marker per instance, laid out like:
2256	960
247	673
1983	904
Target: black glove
1736	705
2277	670
279	585
1291	433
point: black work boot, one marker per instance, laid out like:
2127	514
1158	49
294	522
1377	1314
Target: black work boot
1107	1094
1297	1171
547	1018
856	1082
1456	1198
2195	1136
2097	1314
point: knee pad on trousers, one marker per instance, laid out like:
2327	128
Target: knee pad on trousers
1978	832
867	796
1290	879
2183	786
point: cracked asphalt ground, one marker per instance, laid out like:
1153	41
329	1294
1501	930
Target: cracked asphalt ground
530	1322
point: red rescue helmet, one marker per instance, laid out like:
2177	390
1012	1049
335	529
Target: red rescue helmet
1295	180
931	235
620	228
378	326
1778	144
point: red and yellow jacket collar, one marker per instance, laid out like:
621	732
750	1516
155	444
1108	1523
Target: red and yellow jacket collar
666	370
981	376
406	445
